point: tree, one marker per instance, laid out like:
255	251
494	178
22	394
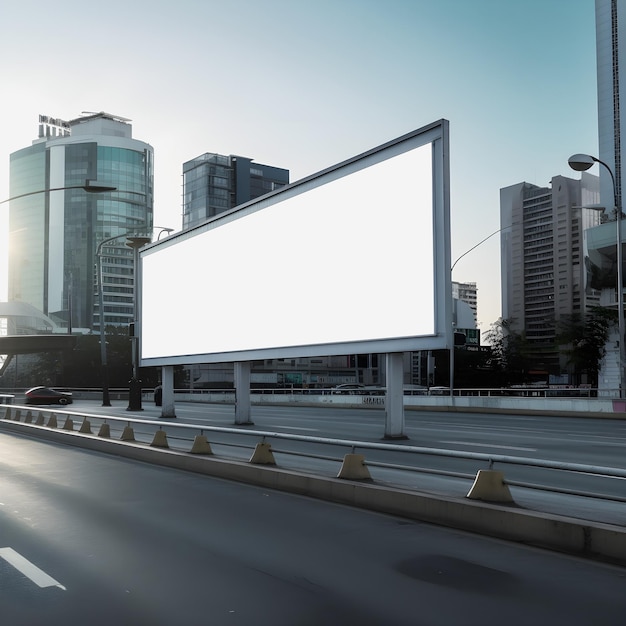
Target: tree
510	358
583	340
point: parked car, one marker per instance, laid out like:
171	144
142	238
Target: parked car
358	389
348	388
45	395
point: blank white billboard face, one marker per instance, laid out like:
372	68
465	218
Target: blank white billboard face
342	262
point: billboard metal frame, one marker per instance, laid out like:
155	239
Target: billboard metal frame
435	134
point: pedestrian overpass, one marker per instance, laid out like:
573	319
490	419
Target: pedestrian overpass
11	345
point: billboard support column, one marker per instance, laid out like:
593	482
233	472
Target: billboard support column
394	401
242	392
167	385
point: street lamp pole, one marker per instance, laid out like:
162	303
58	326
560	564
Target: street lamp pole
581	163
452	359
104	368
134	395
89	187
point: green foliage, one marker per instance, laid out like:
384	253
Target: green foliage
511	359
583	340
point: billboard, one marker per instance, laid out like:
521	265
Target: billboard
353	259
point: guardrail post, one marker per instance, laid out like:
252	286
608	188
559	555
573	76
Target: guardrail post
18	415
40	419
489	485
128	434
7	413
160	440
263	455
29	417
85	427
52	421
354	468
69	423
201	445
105	430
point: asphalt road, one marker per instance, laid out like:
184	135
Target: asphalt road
87	538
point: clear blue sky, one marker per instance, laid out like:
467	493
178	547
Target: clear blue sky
304	85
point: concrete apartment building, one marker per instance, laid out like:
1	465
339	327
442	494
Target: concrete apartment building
543	261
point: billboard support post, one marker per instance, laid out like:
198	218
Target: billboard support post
167	385
242	392
394	401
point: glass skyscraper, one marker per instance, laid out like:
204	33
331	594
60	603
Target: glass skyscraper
54	236
214	183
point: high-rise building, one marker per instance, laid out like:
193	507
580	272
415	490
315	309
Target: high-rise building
213	183
611	59
54	236
543	260
468	293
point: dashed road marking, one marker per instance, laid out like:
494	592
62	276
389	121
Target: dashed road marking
488	445
38	576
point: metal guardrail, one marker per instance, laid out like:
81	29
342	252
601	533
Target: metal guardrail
25	414
530	391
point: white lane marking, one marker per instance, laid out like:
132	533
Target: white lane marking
487	445
313	430
29	570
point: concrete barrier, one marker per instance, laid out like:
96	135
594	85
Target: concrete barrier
201	445
575	536
160	440
354	468
489	485
85	427
263	455
128	434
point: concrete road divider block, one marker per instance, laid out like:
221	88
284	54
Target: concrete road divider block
52	421
160	440
105	430
201	445
28	419
17	415
85	427
354	468
489	486
40	419
7	413
263	455
128	434
69	423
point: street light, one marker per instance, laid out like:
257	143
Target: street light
134	395
495	232
581	163
106	401
89	187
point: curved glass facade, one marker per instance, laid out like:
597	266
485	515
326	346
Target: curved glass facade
67	228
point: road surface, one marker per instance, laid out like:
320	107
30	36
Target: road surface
87	538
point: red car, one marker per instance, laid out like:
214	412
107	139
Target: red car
44	395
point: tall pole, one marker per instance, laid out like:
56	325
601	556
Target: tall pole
104	368
620	283
617	202
134	394
581	163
